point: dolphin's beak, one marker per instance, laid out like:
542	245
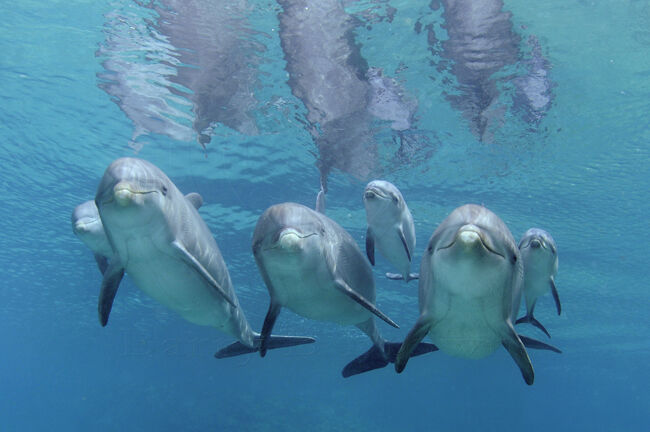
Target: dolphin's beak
471	236
123	193
371	193
288	239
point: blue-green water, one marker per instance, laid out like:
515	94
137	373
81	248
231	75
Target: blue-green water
582	173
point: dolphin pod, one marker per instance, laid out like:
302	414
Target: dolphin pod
472	274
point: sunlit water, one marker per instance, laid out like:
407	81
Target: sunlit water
581	172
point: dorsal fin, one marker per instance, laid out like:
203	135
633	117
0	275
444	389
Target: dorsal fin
195	198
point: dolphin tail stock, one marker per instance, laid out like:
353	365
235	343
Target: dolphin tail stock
320	198
272	342
374	358
529	318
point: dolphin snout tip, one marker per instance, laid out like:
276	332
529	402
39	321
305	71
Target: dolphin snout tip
469	237
123	194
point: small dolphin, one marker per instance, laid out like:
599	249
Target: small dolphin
470	290
87	225
390	227
539	254
161	241
313	266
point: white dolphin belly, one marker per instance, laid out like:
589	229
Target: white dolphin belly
172	282
307	289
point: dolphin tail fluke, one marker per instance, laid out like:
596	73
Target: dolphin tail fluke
413	276
536	344
320	201
397	276
235	349
374	358
532	320
272	342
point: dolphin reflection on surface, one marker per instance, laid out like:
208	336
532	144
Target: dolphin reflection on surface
182	70
341	93
482	52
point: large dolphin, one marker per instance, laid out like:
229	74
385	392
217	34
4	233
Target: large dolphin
480	44
187	68
161	241
341	93
470	290
539	254
390	227
313	266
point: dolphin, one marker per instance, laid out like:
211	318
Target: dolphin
539	255
88	227
481	44
390	227
470	290
341	93
161	241
312	266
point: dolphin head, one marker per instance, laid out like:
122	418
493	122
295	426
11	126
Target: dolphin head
473	247
287	228
132	193
382	198
539	249
85	219
88	227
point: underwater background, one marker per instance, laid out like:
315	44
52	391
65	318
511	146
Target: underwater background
85	82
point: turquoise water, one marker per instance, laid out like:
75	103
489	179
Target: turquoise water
581	172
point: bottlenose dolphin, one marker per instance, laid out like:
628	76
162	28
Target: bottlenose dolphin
88	227
481	44
341	93
161	241
312	265
187	68
470	290
390	227
539	255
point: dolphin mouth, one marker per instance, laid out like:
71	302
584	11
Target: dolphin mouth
277	239
371	193
123	193
82	225
479	234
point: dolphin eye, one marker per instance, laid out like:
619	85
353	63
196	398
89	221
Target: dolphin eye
164	190
395	199
514	259
430	249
